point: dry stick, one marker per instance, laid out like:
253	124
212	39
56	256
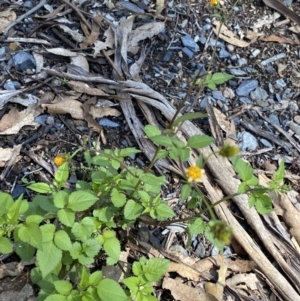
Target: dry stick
81	16
34	9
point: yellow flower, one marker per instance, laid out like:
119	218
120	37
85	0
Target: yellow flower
61	159
228	150
213	2
194	174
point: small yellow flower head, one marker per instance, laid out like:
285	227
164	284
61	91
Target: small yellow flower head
213	2
228	150
61	159
221	232
194	174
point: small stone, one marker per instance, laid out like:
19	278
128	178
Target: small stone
297	119
202	40
230	47
242	62
270	69
206	27
234	57
201	67
204	102
295	127
255	53
278	97
271	89
213	42
280	84
23	61
200	250
2	52
18	190
259	94
245	100
28	4
274	119
228	93
265	142
188	52
218	95
108	123
246	87
293	106
237	72
188	42
9	86
223	54
167	56
248	143
262	103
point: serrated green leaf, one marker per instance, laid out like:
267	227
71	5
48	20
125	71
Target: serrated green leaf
164	211
6	201
66	217
31	234
62	174
18	208
48	258
263	204
155	269
61	199
117	198
196	227
95	278
24	250
6	246
63	286
81	200
84	229
56	297
37	219
109	290
84	278
132	210
46	203
162	153
85	260
132	283
126	152
243	168
151	131
112	248
47	232
75	250
162	140
221	77
41	187
62	240
109	234
199	141
279	174
91	247
189	116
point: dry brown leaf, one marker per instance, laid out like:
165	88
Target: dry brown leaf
80	61
143	32
85	88
217	289
160	4
6	18
11	269
228	36
52	14
5	96
281	40
5	155
226	125
243	282
76	36
90	40
109	42
73	107
184	271
62	51
14	120
183	292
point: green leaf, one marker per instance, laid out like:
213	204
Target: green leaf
6	246
84	278
84	229
66	217
151	131
110	290
91	247
126	152
95	278
62	240
132	210
221	77
31	234
47	232
185	191
189	116
243	168
155	269
132	283
48	258
76	250
279	174
117	198
37	219
112	248
18	208
164	211
63	286
6	201
162	153
199	141
24	250
263	204
56	297
41	187
62	174
61	199
196	227
162	140
45	202
81	200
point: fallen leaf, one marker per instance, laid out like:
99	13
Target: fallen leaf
85	88
243	282
281	40
6	18
5	155
76	36
143	32
109	42
14	120
62	51
227	35
265	21
160	4
183	292
5	96
11	269
80	61
93	35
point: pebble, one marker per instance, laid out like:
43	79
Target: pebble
278	97
273	59
228	93
218	95
297	119
270	69
242	62
23	61
167	56
262	103
248	141
265	142
233	57
200	250
295	127
259	94
237	72
245	100
280	83
230	47
2	52
213	42
28	4
188	52
206	27
108	123
224	54
246	87
18	190
201	68
202	40
293	106
188	42
180	249
270	87
12	85
274	119
255	53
